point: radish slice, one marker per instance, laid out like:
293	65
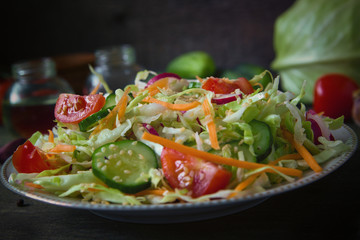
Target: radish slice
225	98
161	76
150	129
318	126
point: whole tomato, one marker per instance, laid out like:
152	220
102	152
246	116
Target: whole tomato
334	95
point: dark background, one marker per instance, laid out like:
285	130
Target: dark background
231	31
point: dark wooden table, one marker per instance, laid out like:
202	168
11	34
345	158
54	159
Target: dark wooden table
326	209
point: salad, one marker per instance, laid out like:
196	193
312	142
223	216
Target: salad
165	139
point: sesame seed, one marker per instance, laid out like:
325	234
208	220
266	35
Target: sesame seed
118	163
141	156
103	149
130	152
113	147
103	168
99	164
122	152
127	171
134	143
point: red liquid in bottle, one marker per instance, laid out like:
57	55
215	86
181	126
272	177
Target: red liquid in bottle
26	120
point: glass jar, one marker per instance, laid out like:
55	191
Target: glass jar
117	65
29	103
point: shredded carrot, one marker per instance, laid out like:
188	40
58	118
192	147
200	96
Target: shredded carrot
123	104
51	136
154	88
294	156
244	184
119	110
176	107
94	190
215	158
211	126
33	185
159	192
63	148
96	88
303	152
260	85
199	79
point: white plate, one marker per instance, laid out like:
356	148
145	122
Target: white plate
185	212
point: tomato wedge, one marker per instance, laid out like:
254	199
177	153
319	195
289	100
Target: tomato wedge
72	108
196	175
28	159
226	86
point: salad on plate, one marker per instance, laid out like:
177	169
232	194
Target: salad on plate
165	139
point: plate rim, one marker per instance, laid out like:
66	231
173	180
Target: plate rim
283	188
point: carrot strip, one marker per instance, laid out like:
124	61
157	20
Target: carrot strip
154	88
159	192
211	126
295	156
51	136
33	185
215	158
96	88
260	85
303	152
63	148
176	107
199	79
94	190
244	184
123	104
109	120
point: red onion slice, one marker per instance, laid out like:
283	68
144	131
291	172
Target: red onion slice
318	126
225	98
150	129
161	76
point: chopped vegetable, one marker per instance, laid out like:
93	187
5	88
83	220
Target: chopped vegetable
215	158
303	152
176	107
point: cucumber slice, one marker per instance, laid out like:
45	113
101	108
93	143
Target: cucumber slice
262	139
92	120
110	101
124	165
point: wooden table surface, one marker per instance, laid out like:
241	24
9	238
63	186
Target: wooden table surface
326	209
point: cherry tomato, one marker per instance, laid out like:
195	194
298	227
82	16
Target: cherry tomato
187	172
72	108
225	86
334	95
28	159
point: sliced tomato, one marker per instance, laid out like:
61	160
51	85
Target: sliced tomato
28	159
226	86
196	175
72	108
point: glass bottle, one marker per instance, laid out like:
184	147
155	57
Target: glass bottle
117	65
29	103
